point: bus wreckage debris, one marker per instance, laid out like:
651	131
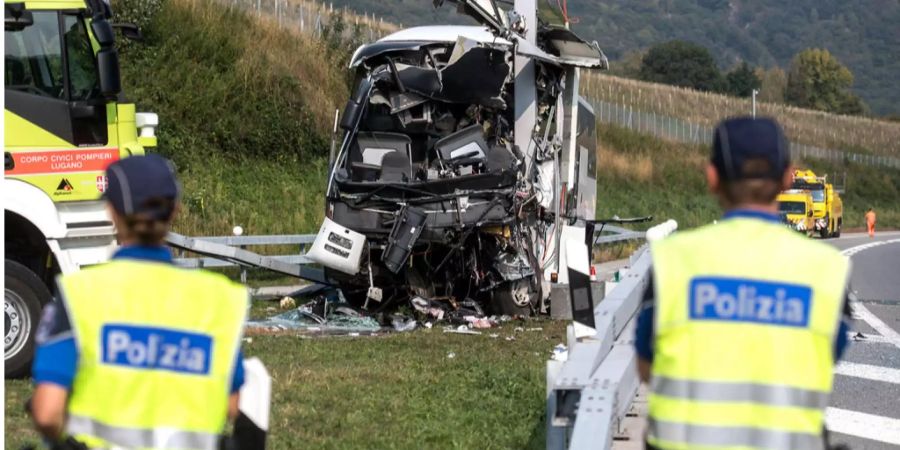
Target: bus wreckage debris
458	175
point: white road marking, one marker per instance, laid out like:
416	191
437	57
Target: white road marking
868	339
856	249
869	372
882	328
867	426
861	311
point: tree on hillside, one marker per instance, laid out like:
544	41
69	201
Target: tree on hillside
818	80
772	86
681	63
628	66
741	81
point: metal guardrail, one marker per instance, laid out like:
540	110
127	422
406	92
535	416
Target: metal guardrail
229	251
590	393
304	241
301	240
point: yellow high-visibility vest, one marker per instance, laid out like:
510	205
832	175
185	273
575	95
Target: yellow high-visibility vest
745	323
156	349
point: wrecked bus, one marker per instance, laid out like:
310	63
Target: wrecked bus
467	157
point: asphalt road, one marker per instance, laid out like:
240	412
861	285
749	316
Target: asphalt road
865	407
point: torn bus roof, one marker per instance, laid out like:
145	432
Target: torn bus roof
564	46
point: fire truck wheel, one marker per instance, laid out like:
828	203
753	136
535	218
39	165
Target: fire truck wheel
25	295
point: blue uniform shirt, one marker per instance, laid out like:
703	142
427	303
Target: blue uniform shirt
644	334
56	357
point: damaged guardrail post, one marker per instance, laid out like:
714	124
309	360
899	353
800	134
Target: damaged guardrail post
591	388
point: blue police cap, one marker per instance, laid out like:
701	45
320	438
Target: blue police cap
144	185
740	139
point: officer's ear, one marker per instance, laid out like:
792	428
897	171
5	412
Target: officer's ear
114	216
712	179
787	180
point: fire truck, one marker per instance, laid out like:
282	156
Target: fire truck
66	120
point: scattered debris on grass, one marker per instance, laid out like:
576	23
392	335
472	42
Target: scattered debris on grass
324	310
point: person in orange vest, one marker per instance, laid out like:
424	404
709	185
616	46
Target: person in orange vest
870	222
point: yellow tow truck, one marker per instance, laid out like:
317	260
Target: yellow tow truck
796	208
66	121
828	209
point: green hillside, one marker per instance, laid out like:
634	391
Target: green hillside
245	113
861	33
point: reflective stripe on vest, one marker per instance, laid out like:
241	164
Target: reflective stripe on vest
156	351
668	434
717	391
744	337
157	438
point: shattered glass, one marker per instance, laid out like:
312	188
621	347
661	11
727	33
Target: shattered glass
302	319
326	311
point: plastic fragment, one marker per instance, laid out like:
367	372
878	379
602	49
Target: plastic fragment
287	303
462	329
403	324
560	353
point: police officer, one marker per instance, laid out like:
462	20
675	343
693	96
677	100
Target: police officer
139	353
743	333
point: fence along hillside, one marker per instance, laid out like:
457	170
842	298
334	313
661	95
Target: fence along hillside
312	17
680	114
804	126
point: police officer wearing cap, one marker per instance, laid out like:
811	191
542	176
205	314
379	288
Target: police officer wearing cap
740	338
138	353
